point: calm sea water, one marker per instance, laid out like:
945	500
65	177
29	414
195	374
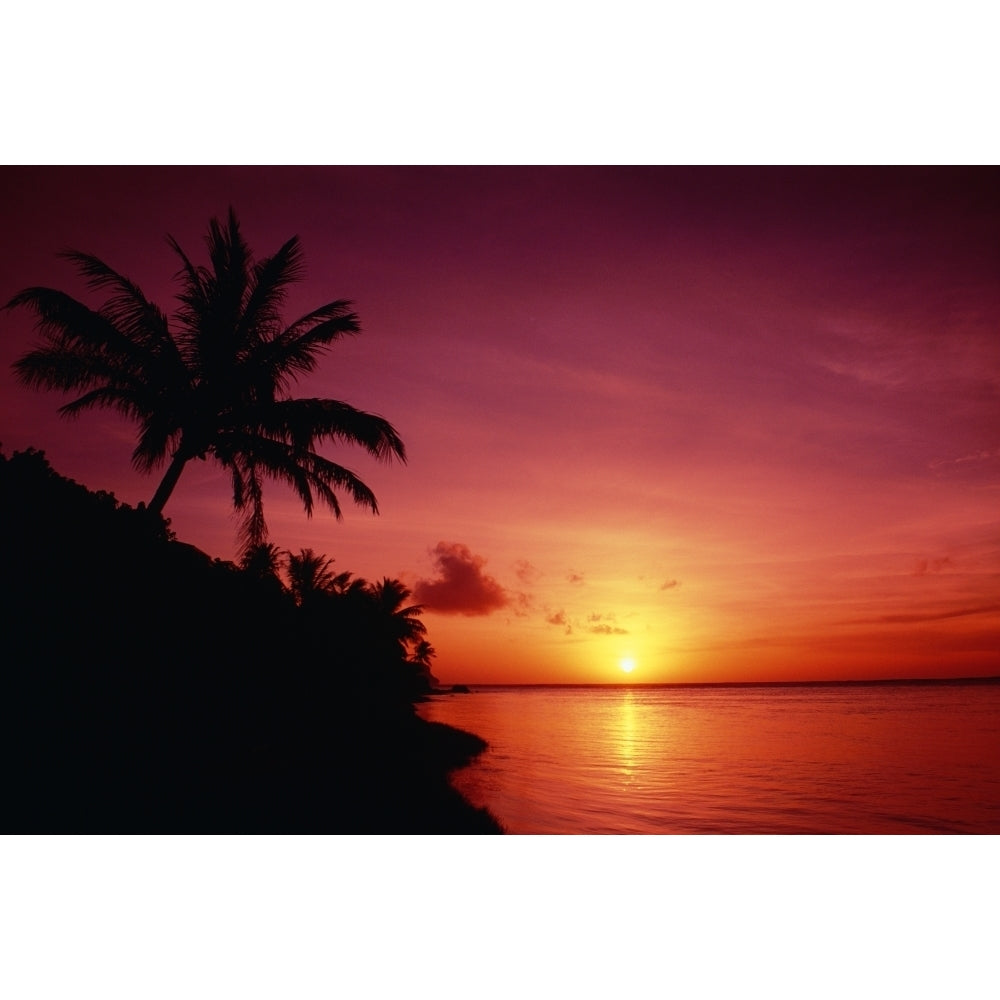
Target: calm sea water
887	758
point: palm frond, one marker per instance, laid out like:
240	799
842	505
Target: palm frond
65	322
305	423
213	304
128	310
390	595
262	561
327	476
253	527
269	282
193	295
159	436
239	485
71	330
310	575
232	261
345	582
297	350
337	312
311	475
106	397
59	368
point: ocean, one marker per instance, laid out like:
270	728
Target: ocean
884	758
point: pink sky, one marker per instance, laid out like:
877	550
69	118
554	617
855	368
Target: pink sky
735	424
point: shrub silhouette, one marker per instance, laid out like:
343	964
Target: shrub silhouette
150	688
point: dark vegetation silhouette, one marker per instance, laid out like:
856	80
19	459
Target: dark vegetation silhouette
214	380
150	688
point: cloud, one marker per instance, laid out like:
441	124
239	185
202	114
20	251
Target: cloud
525	572
933	616
559	618
983	455
925	566
522	603
461	587
574	577
597	623
670	584
608	630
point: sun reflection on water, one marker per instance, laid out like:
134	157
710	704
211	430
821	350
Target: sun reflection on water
774	760
627	737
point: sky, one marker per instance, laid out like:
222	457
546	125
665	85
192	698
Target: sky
730	424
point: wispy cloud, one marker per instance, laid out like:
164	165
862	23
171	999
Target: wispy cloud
924	616
925	566
983	455
596	623
605	629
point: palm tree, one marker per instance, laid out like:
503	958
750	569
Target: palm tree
309	576
213	381
346	584
401	624
262	561
423	653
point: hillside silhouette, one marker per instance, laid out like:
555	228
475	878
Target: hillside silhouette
152	689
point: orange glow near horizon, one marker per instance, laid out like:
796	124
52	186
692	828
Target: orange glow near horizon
731	425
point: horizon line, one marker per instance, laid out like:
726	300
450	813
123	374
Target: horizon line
854	682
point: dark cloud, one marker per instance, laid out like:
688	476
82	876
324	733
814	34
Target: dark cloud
608	630
574	577
670	584
461	587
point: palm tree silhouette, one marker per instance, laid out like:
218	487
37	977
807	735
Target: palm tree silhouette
262	561
215	380
400	622
423	653
310	576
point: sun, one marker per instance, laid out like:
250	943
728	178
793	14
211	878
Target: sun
627	664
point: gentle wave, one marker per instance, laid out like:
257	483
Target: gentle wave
885	758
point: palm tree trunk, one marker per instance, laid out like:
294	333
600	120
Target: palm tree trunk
168	483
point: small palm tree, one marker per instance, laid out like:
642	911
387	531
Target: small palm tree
346	584
262	561
401	622
215	380
423	653
310	576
